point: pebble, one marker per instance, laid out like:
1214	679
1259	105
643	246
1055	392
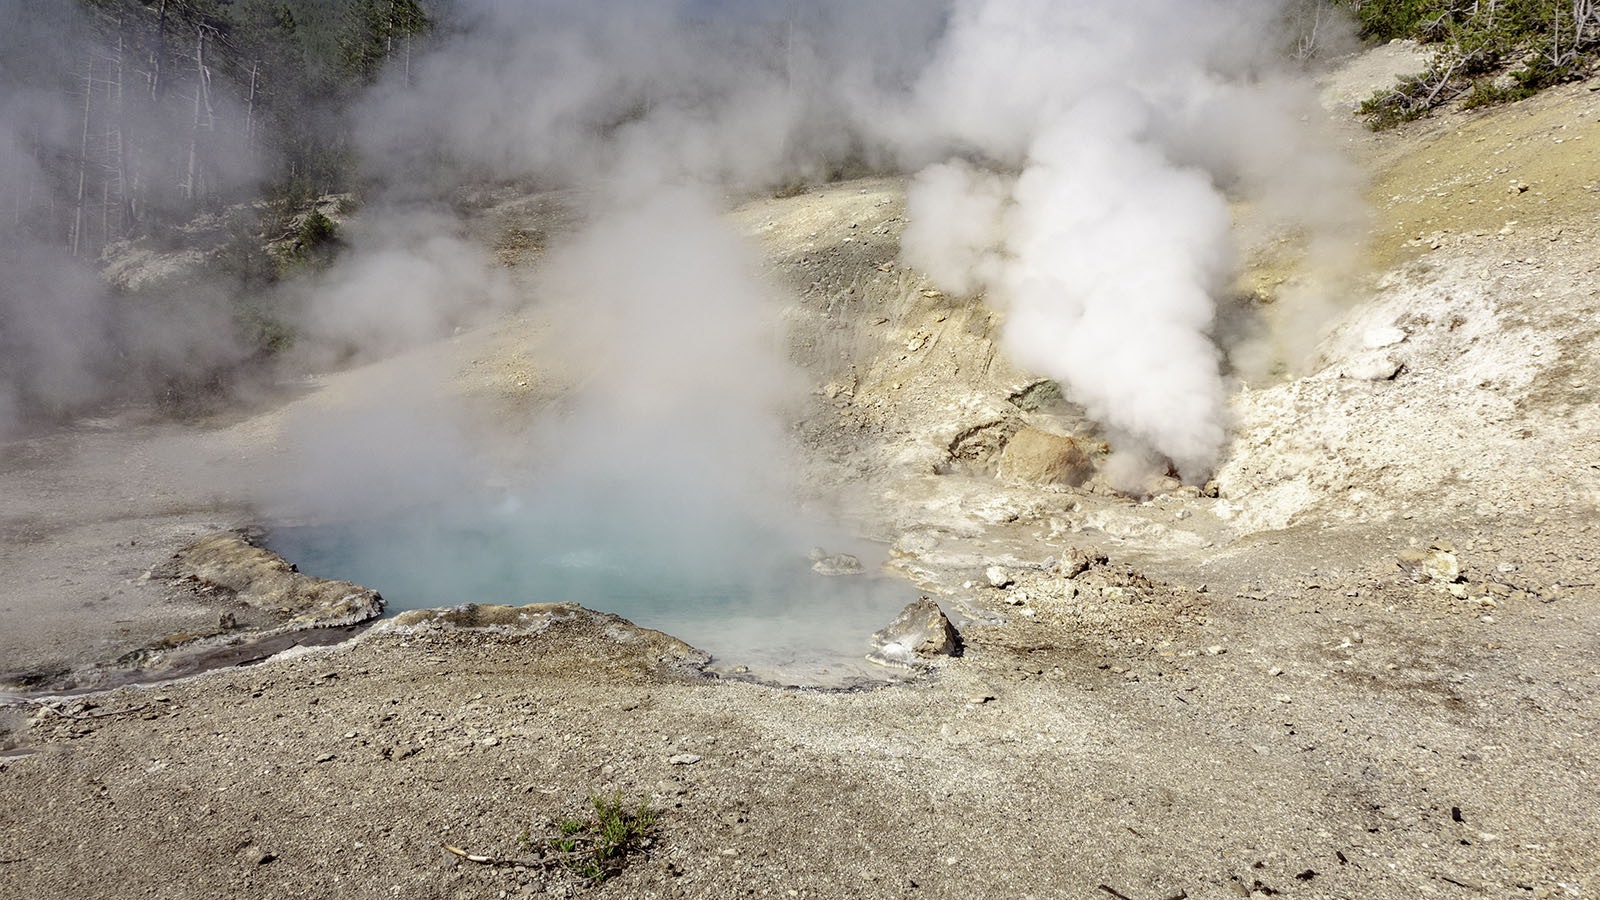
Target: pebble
685	759
997	576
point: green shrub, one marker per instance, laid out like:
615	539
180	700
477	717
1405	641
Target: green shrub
1476	42
1389	19
598	846
316	232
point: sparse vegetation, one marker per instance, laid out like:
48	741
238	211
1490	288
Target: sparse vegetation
794	187
316	240
597	847
1487	51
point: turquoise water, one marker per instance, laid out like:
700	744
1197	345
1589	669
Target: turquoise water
738	590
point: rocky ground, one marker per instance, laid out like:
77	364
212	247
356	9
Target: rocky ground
1362	663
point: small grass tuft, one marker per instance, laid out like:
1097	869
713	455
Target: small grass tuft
597	847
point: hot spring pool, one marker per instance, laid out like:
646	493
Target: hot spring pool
744	593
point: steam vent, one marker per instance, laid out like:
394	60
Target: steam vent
894	448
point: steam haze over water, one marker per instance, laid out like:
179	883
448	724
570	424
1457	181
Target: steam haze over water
1078	164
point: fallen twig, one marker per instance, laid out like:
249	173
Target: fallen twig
547	861
1463	884
1114	892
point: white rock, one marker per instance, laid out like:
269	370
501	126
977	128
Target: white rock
1376	369
997	576
1383	337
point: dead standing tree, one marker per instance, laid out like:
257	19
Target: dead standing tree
204	117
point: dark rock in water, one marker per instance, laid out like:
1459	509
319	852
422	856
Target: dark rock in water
921	631
825	563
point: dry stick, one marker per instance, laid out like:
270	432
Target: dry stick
548	861
1443	81
1114	892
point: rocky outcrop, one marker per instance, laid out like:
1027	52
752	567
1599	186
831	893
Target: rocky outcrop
921	632
603	636
1040	457
231	568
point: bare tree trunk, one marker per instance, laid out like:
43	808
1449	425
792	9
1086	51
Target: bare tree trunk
105	207
83	156
1585	16
192	187
250	106
156	87
1555	42
119	152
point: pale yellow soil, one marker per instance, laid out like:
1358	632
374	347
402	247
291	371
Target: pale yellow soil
1532	167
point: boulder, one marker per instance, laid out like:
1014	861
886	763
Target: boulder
1078	561
998	577
921	631
1040	457
1436	564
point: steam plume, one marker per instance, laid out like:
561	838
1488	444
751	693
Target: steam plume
1078	160
1109	133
